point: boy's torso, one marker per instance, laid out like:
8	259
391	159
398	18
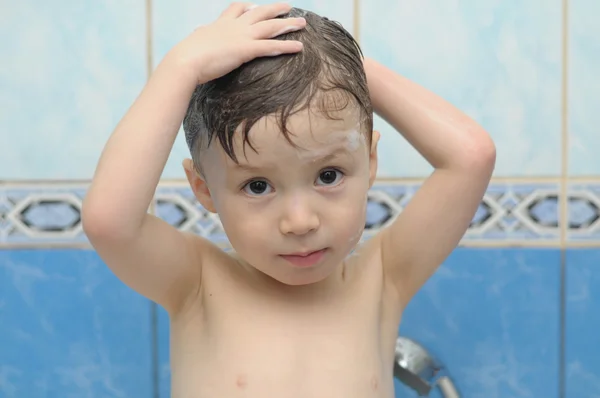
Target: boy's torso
241	339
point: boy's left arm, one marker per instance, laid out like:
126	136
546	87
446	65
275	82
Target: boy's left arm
463	156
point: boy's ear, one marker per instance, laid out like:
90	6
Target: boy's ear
373	158
198	185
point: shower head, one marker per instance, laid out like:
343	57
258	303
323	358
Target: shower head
417	369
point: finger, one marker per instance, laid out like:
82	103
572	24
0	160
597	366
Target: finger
272	48
236	9
263	13
276	27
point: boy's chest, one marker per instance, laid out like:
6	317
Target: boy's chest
243	340
334	330
334	351
345	325
348	314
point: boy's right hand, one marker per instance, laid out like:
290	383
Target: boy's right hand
242	32
149	255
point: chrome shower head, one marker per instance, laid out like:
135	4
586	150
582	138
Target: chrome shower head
417	369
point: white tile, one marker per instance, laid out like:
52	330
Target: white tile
584	88
174	20
499	61
69	72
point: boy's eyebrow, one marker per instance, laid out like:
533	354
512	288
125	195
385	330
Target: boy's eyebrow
322	158
247	167
341	151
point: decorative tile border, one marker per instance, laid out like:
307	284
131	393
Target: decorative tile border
41	214
48	214
509	214
584	212
518	213
176	204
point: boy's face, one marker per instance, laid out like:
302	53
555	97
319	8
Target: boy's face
282	203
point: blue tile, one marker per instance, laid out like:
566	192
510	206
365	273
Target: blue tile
584	85
492	316
499	61
70	328
69	72
173	21
164	356
582	362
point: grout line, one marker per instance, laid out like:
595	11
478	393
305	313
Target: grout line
592	244
46	246
154	350
149	68
356	21
413	180
495	180
149	41
564	203
466	243
154	367
562	324
539	244
44	183
534	244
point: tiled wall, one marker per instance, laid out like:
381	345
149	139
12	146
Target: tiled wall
514	312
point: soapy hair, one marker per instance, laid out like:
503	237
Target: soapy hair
327	76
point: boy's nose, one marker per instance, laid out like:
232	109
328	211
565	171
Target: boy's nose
299	219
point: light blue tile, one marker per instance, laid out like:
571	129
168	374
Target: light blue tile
68	73
70	328
492	317
584	86
582	343
173	21
499	61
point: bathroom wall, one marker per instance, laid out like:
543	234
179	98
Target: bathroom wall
513	312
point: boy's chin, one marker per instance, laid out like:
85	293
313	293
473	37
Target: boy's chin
303	277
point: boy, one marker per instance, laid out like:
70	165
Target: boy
280	132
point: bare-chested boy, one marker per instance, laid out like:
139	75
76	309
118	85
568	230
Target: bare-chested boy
280	132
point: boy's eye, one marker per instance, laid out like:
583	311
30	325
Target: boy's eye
329	177
257	187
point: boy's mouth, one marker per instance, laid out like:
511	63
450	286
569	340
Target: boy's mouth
305	259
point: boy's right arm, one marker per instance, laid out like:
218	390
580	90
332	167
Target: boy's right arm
145	252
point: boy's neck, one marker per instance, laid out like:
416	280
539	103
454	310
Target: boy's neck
313	291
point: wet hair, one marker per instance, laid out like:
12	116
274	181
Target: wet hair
328	73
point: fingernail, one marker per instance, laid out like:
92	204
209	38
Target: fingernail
250	7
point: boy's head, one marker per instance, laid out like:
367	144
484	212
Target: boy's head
283	150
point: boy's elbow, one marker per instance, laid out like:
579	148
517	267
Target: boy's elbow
99	224
486	151
96	225
480	154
